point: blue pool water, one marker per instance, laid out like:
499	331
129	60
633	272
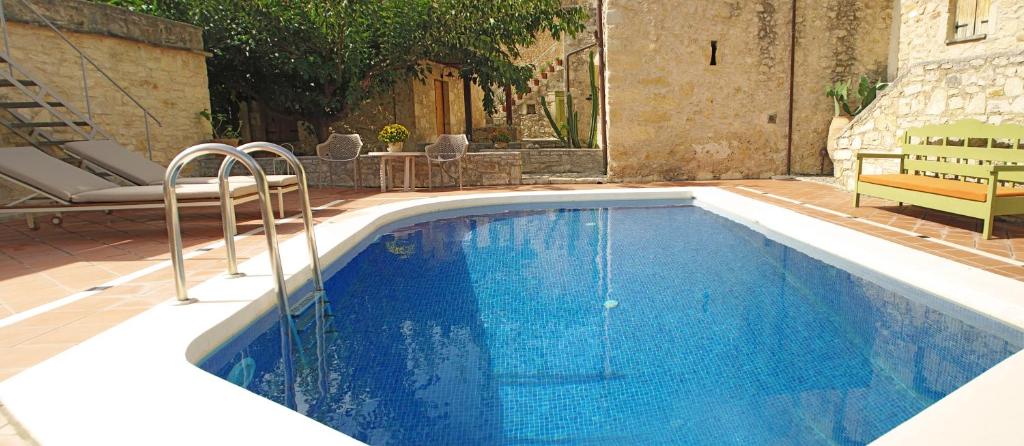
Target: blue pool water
645	325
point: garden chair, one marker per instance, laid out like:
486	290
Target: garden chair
447	149
339	148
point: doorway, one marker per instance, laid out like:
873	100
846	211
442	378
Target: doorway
442	123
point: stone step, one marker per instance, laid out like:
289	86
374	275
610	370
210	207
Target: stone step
534	179
543	143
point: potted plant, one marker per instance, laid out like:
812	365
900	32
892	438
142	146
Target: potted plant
501	138
559	61
843	114
839	92
221	129
551	68
544	74
394	135
536	82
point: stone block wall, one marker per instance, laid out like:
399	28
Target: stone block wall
479	169
160	62
673	115
940	83
561	161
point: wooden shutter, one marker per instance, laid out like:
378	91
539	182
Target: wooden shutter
964	25
981	15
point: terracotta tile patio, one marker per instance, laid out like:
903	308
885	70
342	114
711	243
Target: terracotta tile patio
47	266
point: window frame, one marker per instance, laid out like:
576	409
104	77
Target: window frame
953	22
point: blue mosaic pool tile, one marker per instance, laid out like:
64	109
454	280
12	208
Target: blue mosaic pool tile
498	329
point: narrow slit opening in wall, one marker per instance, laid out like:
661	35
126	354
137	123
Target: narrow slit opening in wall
714	52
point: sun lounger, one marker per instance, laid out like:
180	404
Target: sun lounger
114	158
70	189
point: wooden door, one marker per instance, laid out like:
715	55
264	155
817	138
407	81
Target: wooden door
441	122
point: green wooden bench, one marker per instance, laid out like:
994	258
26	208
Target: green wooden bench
967	168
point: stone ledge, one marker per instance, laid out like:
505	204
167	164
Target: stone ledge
96	18
479	169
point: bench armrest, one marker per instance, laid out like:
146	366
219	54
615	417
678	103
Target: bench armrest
879	155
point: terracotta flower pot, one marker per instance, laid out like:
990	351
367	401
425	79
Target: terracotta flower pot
536	82
544	75
559	62
835	128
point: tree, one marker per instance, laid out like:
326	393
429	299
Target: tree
320	59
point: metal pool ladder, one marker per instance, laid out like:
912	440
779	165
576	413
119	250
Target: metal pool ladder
242	156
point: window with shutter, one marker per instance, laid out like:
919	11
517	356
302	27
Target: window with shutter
969	20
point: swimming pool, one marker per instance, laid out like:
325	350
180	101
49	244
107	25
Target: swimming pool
665	324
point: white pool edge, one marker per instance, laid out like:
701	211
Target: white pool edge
136	383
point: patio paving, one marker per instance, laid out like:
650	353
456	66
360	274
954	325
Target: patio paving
62	285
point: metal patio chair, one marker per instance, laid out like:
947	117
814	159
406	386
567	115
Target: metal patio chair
338	149
447	149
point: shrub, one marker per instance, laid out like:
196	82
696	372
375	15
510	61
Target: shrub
502	135
392	133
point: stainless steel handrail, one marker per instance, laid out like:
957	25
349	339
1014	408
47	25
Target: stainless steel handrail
174	223
146	114
287	325
307	210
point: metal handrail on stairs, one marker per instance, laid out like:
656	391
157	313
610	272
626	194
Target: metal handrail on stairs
82	59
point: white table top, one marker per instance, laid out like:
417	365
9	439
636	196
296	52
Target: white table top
397	154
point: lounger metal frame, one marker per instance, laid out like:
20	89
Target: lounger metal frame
63	206
279	191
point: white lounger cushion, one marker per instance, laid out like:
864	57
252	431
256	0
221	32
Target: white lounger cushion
69	183
272	180
48	174
136	168
132	194
119	160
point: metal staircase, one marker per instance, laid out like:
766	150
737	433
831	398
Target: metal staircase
36	112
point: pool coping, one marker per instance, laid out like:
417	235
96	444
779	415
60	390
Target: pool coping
159	346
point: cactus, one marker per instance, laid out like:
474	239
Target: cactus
593	102
569	133
551	120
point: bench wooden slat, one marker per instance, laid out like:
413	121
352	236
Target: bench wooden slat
963	170
969	128
971	153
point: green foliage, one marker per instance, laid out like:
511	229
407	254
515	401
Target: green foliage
839	92
502	135
867	92
320	59
560	131
393	133
222	127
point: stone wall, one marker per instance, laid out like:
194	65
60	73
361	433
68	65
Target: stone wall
558	161
160	62
672	115
941	83
479	169
924	32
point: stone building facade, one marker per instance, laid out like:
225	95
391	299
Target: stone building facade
161	63
941	80
416	103
700	89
